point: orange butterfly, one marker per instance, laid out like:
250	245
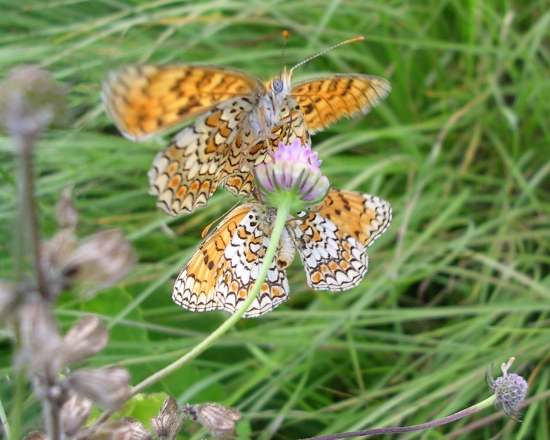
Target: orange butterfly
239	120
331	241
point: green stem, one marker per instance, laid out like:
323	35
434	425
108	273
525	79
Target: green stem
401	429
17	410
28	234
282	214
52	421
4	421
27	225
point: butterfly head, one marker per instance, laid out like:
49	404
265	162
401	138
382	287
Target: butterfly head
281	85
277	85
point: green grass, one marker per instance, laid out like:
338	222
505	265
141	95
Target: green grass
461	149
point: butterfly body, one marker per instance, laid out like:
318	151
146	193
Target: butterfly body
331	241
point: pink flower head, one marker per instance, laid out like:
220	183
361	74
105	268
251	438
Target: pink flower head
295	152
292	176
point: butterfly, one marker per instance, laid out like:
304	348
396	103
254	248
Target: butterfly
331	241
238	119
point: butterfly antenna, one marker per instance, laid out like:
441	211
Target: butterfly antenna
286	34
351	40
208	226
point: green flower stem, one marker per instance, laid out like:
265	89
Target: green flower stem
4	421
401	429
27	224
28	235
282	214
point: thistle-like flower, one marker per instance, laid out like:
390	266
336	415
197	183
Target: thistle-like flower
292	177
509	389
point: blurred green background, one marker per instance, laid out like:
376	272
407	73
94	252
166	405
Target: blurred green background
461	149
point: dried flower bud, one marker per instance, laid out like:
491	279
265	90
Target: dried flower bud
8	300
218	420
40	339
53	252
108	387
36	435
166	425
118	430
139	432
510	390
100	261
30	101
126	428
74	413
83	340
57	249
65	210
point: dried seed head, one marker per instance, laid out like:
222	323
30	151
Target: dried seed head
53	252
165	425
118	430
65	210
100	261
509	390
57	249
74	413
8	300
126	428
30	101
139	432
40	339
36	435
218	420
108	387
83	340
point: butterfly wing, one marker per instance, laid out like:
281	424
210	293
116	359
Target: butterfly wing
333	260
195	286
223	270
239	270
186	173
145	99
327	100
363	216
332	241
